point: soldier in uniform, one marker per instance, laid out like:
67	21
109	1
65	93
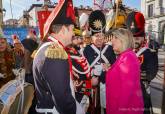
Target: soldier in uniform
7	61
148	58
80	68
81	72
52	67
98	55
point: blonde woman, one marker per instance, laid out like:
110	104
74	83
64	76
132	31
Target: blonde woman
123	90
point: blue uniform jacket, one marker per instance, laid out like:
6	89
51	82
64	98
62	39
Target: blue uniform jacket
52	82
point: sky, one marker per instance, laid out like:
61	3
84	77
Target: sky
19	5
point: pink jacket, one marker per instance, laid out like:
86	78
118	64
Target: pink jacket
123	89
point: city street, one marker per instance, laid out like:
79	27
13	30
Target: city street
76	30
157	85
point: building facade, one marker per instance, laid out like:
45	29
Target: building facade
11	22
32	12
154	12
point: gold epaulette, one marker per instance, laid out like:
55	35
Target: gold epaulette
56	51
33	54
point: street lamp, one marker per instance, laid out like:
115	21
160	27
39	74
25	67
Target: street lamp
2	13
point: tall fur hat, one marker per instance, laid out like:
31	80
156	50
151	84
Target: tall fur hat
97	22
136	24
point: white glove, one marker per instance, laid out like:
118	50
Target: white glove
79	109
97	70
85	102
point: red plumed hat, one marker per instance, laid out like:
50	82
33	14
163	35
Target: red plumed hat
136	24
63	13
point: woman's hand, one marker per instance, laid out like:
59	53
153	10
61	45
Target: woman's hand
106	67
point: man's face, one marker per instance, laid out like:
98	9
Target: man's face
98	39
138	41
76	40
3	44
69	33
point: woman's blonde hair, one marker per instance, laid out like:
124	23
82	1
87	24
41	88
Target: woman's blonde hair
126	38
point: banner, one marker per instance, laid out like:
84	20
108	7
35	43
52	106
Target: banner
22	32
102	4
42	17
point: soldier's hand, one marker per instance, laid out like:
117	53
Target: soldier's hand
106	67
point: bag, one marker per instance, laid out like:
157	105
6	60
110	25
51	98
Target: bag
15	101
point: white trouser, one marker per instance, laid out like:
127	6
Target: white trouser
85	103
102	95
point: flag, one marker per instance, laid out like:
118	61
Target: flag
42	17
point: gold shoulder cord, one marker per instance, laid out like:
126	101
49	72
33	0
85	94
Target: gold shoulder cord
55	51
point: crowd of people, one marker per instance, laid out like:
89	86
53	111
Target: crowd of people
90	67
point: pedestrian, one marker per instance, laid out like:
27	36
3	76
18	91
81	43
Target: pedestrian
52	67
30	45
123	89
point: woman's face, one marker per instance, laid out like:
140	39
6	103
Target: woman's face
3	44
98	39
116	44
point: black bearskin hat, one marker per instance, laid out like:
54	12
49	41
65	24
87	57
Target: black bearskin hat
97	22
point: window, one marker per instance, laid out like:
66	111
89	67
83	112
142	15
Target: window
160	3
150	10
161	7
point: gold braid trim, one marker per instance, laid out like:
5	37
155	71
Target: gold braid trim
34	53
55	51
